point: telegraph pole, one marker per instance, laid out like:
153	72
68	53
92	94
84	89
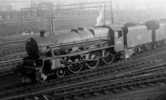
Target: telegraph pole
112	14
104	13
52	21
30	3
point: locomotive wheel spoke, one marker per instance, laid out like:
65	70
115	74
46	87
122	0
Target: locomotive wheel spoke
60	72
108	57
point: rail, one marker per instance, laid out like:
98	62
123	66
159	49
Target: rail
148	75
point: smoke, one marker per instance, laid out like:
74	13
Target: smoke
100	19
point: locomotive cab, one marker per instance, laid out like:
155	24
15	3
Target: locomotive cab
121	42
119	45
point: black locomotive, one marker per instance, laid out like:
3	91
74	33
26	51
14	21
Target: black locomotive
87	48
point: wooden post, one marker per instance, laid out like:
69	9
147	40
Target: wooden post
153	38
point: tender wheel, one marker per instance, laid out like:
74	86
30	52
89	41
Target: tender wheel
60	72
108	57
93	60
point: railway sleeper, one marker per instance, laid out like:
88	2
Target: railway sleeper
100	88
95	89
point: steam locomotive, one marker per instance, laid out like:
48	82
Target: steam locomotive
87	48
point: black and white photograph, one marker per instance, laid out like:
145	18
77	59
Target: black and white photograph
82	49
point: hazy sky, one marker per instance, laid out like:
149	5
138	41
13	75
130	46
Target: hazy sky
140	4
123	4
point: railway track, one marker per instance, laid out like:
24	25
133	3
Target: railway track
106	89
113	69
12	42
5	51
107	86
13	56
12	47
115	83
133	77
7	66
